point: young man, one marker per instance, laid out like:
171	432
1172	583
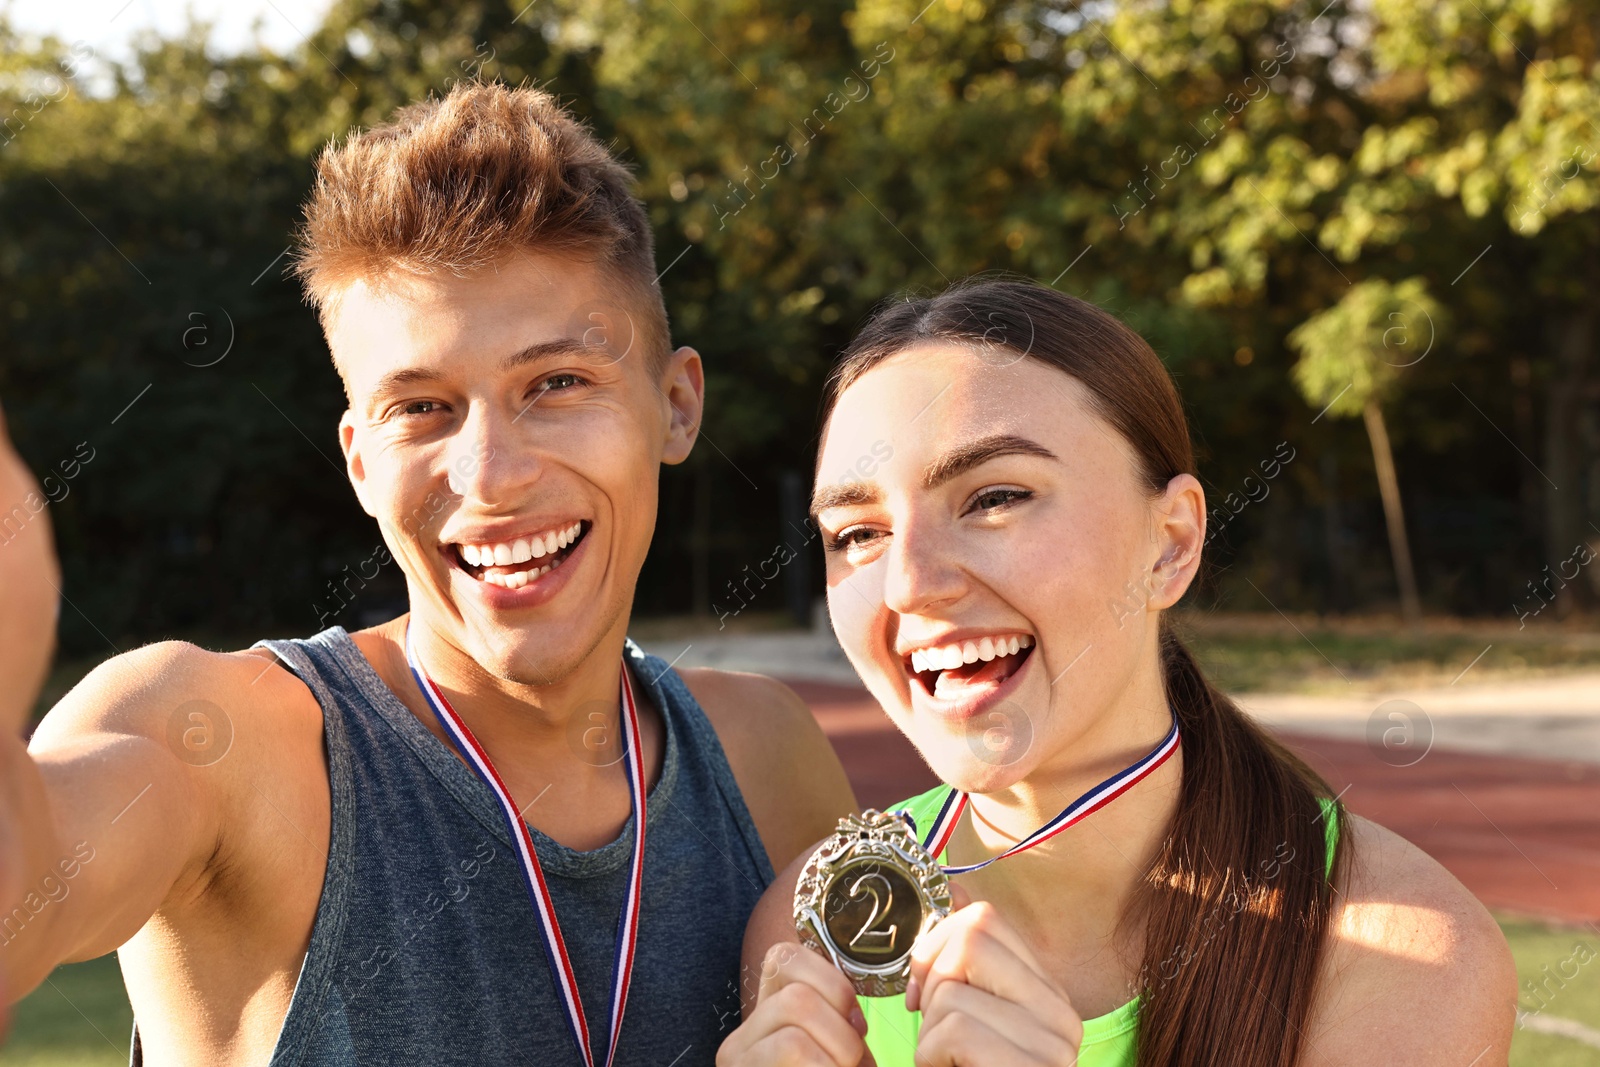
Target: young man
308	853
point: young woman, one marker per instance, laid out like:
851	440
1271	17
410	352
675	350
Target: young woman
1000	583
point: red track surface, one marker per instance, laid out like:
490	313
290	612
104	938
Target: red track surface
1522	834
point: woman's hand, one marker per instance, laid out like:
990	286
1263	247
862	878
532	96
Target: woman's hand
806	1014
985	999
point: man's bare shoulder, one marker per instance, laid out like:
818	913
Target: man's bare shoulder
740	704
763	725
145	691
1407	932
790	776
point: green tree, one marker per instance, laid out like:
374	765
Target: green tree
1352	357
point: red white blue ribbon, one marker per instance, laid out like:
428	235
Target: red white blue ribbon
944	823
538	891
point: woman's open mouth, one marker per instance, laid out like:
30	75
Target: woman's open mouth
513	564
962	669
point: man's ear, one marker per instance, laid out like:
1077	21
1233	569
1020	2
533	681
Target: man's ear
1179	525
683	383
353	465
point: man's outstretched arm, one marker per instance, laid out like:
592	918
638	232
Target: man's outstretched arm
108	820
100	820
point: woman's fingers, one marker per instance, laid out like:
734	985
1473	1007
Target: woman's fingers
985	998
957	940
1051	1037
788	963
961	1040
806	1015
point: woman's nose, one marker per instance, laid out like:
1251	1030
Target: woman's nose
921	572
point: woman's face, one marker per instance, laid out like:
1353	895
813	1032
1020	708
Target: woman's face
971	503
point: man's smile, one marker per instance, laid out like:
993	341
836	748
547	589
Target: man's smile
511	561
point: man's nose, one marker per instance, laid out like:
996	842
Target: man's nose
486	464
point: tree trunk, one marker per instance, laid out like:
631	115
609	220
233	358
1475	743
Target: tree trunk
1389	488
1564	466
1337	589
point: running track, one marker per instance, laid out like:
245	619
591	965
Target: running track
1522	834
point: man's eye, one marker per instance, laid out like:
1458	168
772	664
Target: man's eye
995	499
559	382
419	407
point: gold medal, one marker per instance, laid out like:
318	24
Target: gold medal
865	896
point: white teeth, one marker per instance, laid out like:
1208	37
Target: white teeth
947	657
520	551
518	579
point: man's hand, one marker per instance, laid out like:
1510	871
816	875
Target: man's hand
29	601
29	582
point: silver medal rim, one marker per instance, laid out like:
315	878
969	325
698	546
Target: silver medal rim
867	838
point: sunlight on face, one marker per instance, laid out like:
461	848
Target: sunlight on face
506	431
1007	514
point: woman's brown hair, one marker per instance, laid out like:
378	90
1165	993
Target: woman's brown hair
1236	905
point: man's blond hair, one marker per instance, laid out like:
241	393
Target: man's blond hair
455	183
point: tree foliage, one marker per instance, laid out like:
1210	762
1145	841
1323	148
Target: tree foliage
1228	175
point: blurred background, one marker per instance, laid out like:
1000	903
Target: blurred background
1362	235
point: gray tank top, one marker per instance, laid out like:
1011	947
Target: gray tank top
425	948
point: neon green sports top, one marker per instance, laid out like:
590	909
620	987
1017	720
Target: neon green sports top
1108	1040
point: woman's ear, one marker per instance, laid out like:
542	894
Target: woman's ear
683	383
1179	518
353	465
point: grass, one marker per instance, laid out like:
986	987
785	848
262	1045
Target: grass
1543	953
1305	654
81	1018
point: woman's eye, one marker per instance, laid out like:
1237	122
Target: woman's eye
995	499
855	537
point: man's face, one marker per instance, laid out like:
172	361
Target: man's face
506	430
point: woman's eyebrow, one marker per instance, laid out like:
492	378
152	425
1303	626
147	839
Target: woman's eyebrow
843	494
964	457
961	458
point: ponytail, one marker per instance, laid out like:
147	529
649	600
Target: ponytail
1236	907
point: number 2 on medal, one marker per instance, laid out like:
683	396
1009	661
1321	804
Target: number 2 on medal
880	909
